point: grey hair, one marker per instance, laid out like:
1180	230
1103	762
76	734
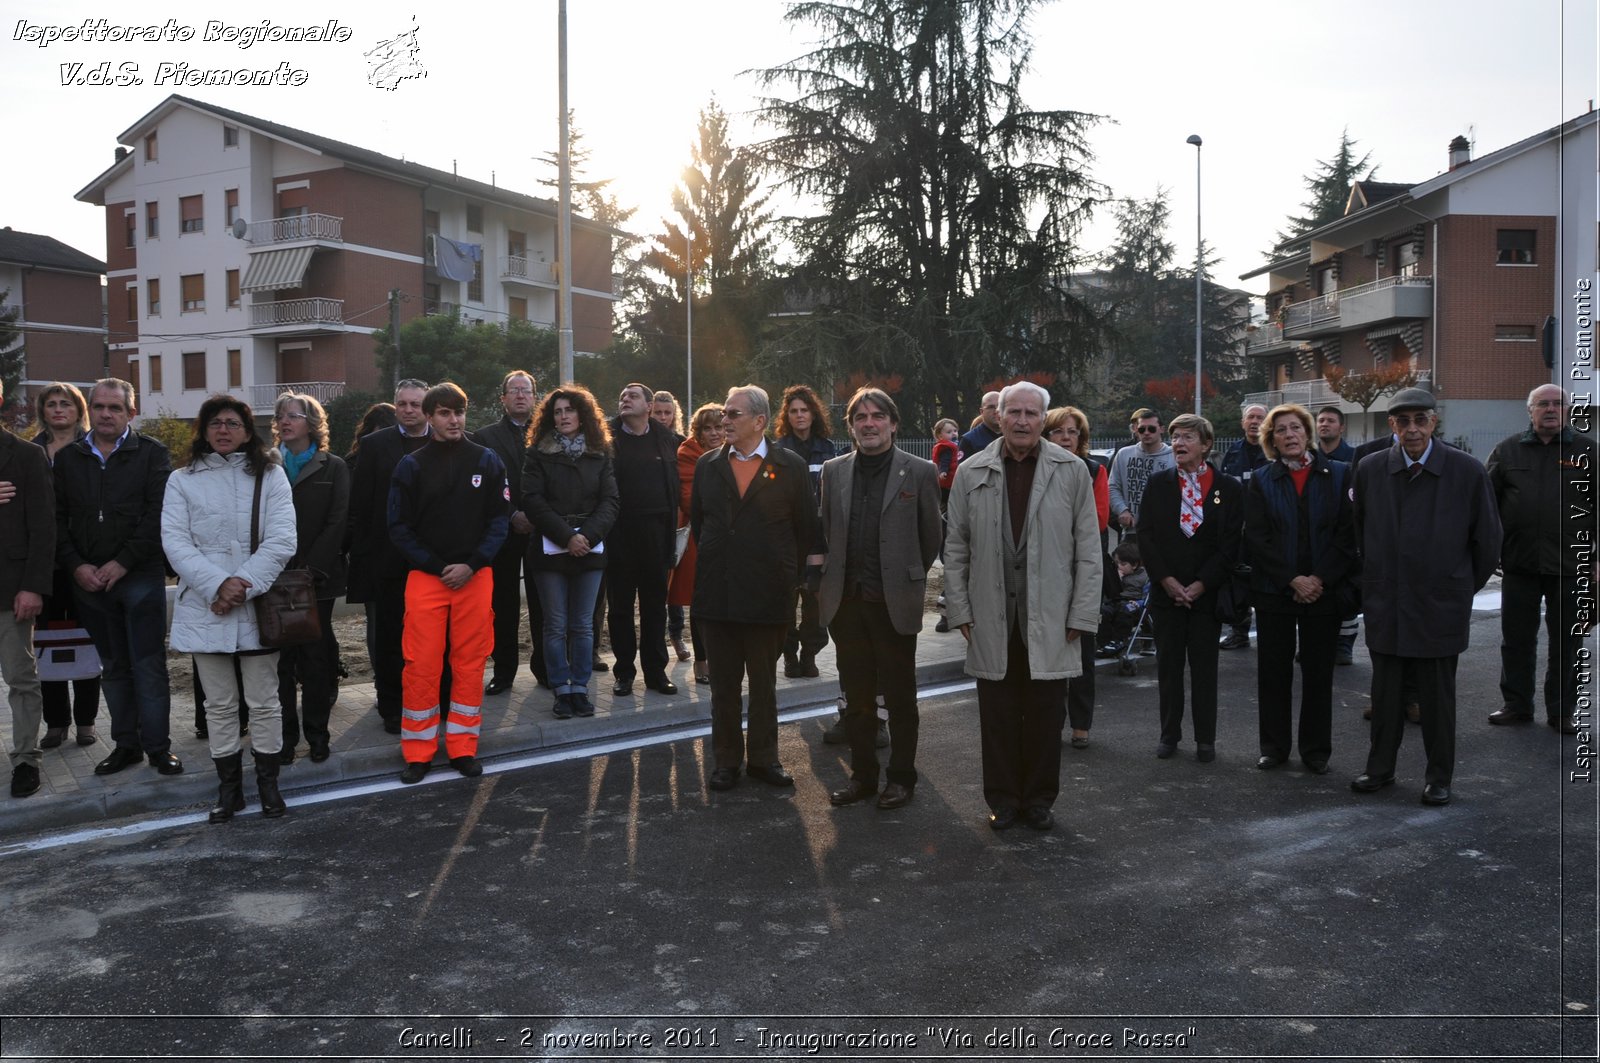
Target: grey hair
760	405
112	383
1566	396
1025	387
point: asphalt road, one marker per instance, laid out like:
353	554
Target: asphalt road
574	909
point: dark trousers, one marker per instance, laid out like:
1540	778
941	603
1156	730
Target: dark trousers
874	658
1080	689
807	636
1185	637
1019	719
738	651
128	624
82	704
1520	596
314	669
1275	648
510	585
1435	683
388	625
637	563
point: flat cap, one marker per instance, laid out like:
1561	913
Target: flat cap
1412	399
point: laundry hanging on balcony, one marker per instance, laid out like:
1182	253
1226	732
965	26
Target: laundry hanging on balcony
270	270
454	260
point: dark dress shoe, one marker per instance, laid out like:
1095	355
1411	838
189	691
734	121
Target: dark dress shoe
1080	741
597	665
286	754
581	705
622	688
1316	767
1505	716
1238	639
723	779
808	666
53	736
86	736
166	763
1002	819
468	766
1206	753
661	685
24	780
1368	784
1165	749
1566	725
772	774
1434	794
853	791
563	707
496	686
319	752
391	725
1038	817
415	771
895	795
1266	762
791	667
121	757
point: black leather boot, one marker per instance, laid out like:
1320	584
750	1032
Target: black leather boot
272	805
230	789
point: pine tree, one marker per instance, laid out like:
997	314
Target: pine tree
1329	186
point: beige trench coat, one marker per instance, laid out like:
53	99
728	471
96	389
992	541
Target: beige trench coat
1063	556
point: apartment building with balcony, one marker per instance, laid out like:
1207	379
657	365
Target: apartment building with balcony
1468	278
251	257
56	292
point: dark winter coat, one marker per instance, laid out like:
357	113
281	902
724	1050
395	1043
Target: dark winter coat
752	549
563	495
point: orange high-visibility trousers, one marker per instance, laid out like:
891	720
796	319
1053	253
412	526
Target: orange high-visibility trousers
464	618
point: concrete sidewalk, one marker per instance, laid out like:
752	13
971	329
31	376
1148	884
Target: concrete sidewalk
514	724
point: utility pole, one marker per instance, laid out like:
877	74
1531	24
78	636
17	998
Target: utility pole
394	332
564	251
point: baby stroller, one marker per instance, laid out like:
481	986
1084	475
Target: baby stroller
1141	639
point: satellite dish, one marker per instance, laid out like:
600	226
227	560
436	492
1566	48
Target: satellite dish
240	227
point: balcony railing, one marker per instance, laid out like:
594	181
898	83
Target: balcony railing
297	312
521	268
1315	393
1325	308
297	227
1268	335
265	396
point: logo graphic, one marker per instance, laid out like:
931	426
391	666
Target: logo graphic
477	479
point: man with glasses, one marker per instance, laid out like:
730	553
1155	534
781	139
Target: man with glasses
1131	469
754	518
1544	485
507	437
1430	538
642	544
109	487
987	430
378	570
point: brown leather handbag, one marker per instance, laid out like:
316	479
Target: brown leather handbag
286	615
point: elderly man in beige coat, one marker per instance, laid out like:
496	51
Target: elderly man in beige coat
1022	583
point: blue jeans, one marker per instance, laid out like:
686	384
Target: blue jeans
128	624
568	603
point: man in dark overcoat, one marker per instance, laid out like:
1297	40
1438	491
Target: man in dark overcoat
1430	539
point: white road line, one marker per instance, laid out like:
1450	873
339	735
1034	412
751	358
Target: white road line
438	775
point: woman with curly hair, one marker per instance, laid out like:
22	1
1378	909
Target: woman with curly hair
569	492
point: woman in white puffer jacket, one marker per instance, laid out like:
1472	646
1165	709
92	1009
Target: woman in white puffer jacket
205	531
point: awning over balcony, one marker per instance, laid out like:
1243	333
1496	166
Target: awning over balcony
271	270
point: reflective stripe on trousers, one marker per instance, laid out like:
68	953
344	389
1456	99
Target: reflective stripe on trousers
436	614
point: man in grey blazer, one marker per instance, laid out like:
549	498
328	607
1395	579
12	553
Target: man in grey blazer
880	515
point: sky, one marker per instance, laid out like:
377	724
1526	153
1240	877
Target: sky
1268	86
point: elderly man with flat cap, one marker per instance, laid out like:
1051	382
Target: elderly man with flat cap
1430	538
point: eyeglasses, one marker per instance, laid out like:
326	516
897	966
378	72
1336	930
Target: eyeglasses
731	414
1406	420
228	423
283	417
1149	428
519	391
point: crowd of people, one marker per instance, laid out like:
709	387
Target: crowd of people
761	546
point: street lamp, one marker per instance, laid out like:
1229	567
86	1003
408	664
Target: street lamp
1199	262
688	317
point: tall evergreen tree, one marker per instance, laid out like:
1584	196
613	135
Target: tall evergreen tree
1329	185
946	209
11	361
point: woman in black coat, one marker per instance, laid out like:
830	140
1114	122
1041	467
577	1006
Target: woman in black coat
1189	533
569	492
321	485
1299	531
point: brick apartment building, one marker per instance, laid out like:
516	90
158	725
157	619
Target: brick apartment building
56	291
251	257
1468	277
